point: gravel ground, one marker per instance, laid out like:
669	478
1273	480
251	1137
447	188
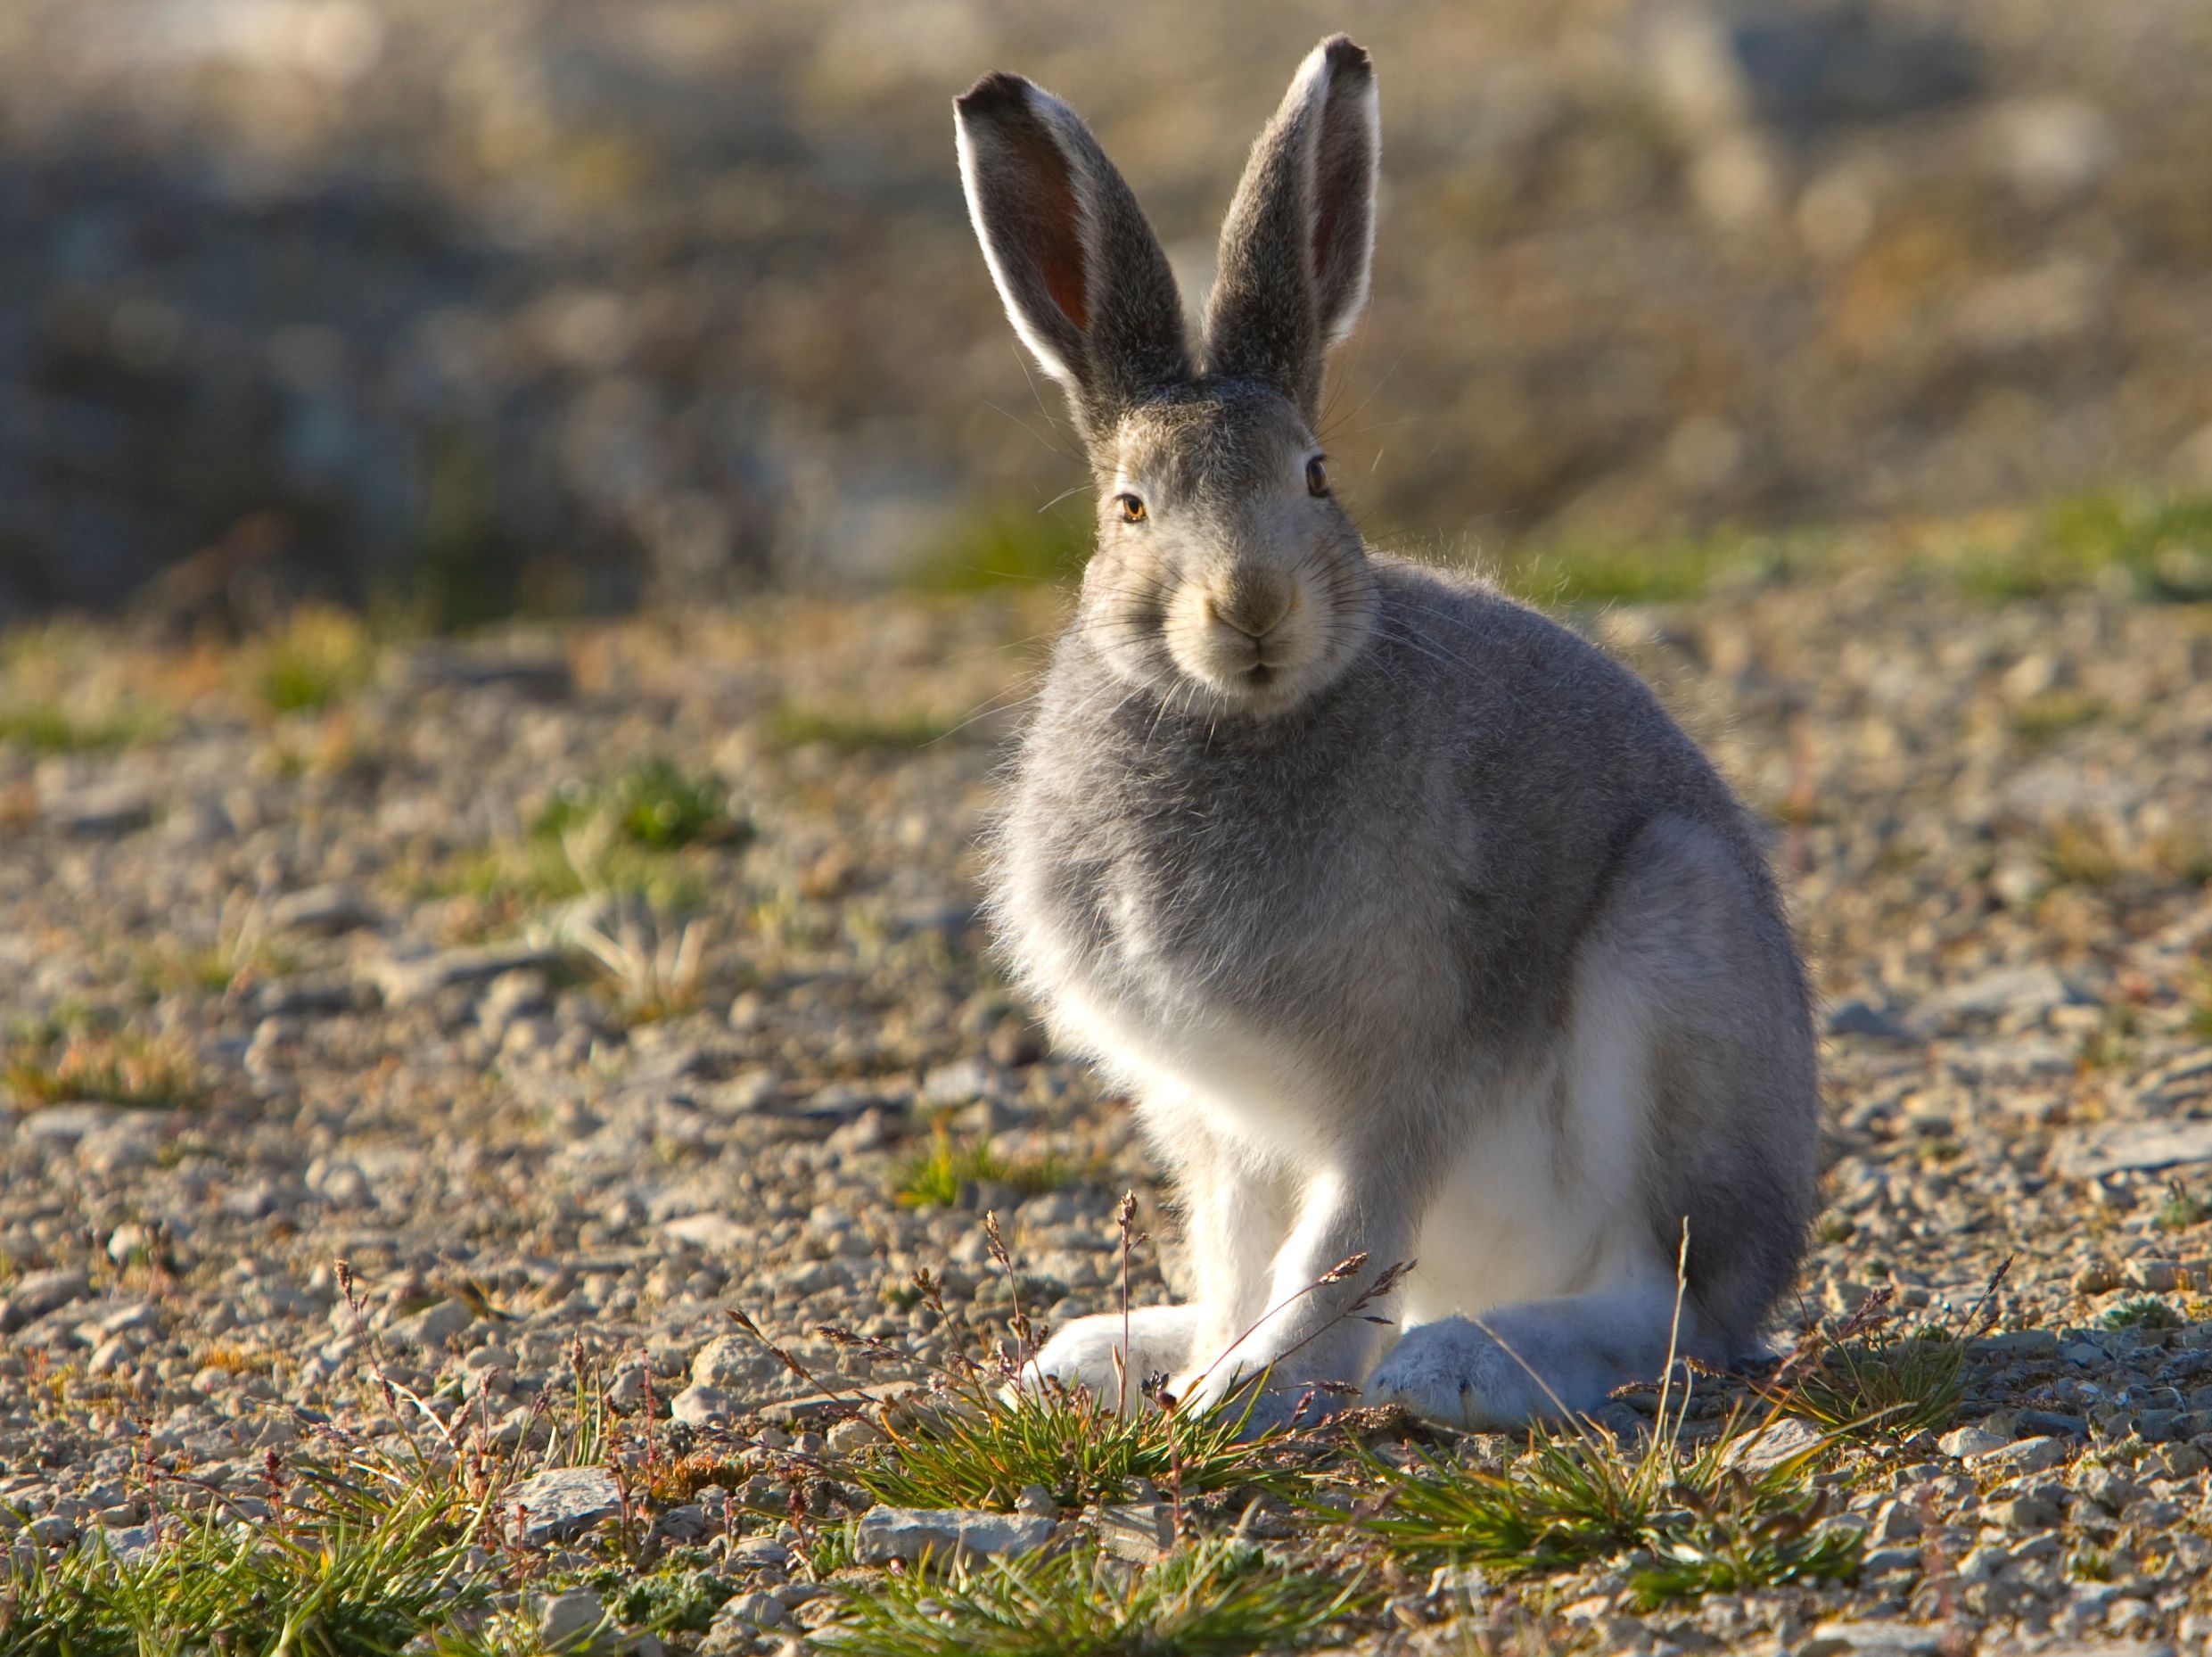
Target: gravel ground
365	1004
540	302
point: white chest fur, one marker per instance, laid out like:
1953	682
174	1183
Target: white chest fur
1539	1200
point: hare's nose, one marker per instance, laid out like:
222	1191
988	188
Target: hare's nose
1255	606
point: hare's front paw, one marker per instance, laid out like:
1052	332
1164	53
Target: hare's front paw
1452	1373
1264	1401
1154	1340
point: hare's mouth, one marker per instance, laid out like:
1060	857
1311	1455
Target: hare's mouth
1258	656
1259	675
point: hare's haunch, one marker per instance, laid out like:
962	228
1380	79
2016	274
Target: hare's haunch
1414	925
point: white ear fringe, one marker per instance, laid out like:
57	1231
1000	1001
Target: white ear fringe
1338	324
1048	359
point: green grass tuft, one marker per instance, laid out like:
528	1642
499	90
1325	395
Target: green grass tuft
49	728
1890	1383
793	726
103	1067
933	1178
319	656
1690	1519
353	1570
2142	1312
2140	542
2052	713
653	804
2181	1208
1577	573
983	1450
1008	546
1221	1598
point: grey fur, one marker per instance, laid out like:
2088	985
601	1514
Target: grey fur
1402	849
1300	234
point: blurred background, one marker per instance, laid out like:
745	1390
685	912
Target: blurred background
540	305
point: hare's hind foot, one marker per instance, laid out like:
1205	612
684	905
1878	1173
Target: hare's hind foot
1153	1341
1515	1363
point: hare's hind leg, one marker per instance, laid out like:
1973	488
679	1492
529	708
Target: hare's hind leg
1538	1357
1684	1097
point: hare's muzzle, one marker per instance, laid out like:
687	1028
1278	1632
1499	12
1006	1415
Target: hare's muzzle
1246	634
1253	602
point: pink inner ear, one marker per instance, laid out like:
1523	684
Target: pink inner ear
1338	174
1056	226
1324	227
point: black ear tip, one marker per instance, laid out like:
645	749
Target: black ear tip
998	93
1346	56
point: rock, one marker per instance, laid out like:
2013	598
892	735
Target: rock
567	1620
1141	1532
909	1533
729	1361
37	1293
743	1612
1895	1521
2053	147
100	809
328	909
2159	1276
841	1103
540	675
68	1123
1458	1587
434	1327
962	1082
406	980
2096	1278
822	1408
121	1148
1773	1445
857	1432
2110	1491
627	1391
711	1234
2025	1513
339	1183
1866	1020
1037	1502
700	1406
1017	1043
1880	1637
2019	991
2029	1455
314	994
686	1524
1966	1441
2101	1148
128	1543
1882	1561
564	1502
2032	1345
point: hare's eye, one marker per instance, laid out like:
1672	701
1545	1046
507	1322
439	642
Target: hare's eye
1316	477
1133	508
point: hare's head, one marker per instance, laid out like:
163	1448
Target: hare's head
1227	575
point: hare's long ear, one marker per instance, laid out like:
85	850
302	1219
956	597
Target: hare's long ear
1082	276
1299	241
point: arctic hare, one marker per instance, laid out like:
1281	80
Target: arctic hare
1415	927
